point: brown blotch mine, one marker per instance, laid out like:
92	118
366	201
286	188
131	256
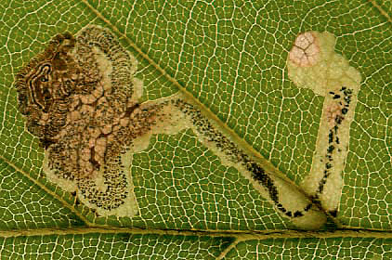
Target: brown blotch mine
78	97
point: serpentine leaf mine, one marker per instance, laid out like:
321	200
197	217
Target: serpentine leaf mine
80	99
286	198
312	63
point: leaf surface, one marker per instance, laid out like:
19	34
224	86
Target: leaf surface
231	58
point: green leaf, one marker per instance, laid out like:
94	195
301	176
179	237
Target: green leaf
229	59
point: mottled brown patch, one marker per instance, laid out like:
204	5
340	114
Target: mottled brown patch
79	100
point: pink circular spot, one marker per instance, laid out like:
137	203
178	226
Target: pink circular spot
306	50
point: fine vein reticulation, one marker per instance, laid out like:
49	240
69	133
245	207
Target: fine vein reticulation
80	99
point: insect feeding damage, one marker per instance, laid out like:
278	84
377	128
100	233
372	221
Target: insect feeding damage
79	97
289	201
305	51
328	75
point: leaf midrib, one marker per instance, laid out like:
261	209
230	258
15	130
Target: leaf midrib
241	235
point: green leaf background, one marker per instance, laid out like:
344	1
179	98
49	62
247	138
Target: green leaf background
231	57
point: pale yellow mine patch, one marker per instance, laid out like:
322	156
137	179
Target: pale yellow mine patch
129	208
327	71
313	63
178	115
